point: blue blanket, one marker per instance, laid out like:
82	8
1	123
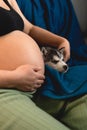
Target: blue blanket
58	16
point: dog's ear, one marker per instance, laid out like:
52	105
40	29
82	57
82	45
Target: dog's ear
61	50
44	51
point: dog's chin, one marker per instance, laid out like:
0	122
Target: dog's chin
60	69
57	67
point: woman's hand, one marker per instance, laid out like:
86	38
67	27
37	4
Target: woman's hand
66	45
28	77
50	39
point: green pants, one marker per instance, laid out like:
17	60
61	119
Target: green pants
71	112
19	112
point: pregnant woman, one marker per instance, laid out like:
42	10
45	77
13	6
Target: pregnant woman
22	69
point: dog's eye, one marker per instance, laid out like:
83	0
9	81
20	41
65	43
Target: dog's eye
55	61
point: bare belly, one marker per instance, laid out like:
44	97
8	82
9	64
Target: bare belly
18	49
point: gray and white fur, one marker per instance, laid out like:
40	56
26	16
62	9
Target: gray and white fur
54	58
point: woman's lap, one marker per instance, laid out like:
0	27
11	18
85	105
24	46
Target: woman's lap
18	112
75	114
71	112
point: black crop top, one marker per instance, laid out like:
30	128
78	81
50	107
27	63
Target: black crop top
10	20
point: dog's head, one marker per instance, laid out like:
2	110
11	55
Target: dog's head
54	58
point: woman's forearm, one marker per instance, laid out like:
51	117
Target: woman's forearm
7	79
45	37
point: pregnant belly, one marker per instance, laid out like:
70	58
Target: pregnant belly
17	48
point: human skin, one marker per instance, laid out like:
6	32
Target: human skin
17	48
21	57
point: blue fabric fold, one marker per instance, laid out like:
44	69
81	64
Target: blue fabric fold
58	16
65	85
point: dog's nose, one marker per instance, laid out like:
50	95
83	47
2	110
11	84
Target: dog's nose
65	67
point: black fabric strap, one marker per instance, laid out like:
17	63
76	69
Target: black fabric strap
6	1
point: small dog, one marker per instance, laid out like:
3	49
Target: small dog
54	58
